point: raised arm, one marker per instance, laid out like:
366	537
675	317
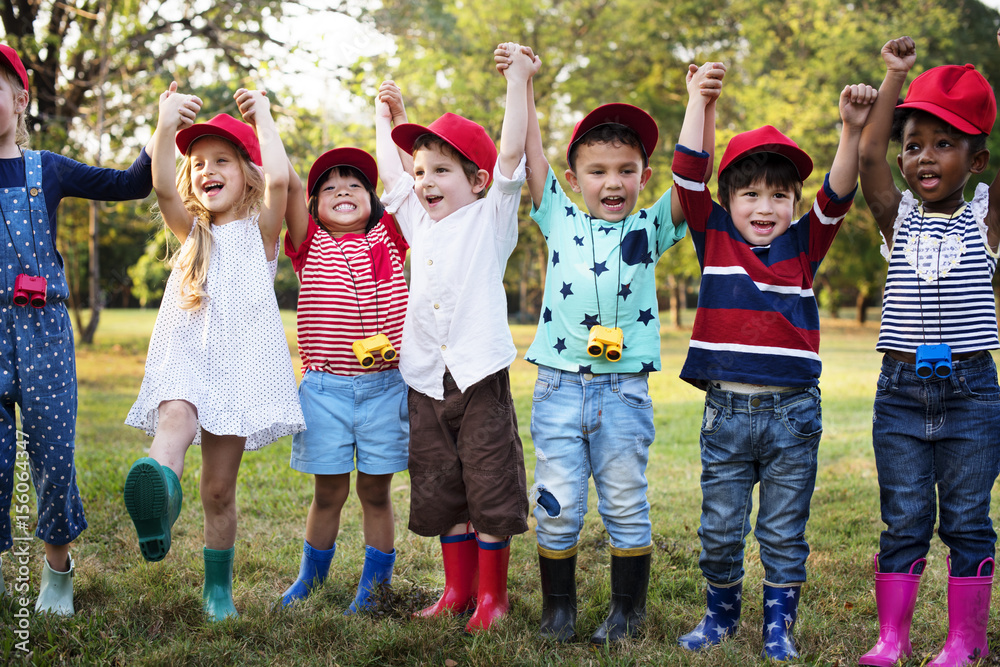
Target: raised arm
993	214
704	85
388	104
175	111
296	211
855	104
536	164
877	184
274	164
515	118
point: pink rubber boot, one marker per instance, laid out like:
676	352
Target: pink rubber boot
968	616
895	598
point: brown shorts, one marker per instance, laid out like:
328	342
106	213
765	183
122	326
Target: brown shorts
466	461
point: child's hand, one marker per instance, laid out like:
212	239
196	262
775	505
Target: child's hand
389	102
900	54
252	102
503	57
705	81
855	103
178	109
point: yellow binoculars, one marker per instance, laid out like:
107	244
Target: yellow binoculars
605	341
364	348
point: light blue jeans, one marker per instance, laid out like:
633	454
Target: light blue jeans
582	425
771	438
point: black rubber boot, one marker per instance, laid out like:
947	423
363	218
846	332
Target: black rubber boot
558	571
629	582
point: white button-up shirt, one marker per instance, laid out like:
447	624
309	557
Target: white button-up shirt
456	317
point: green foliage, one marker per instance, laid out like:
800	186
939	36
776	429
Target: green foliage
149	273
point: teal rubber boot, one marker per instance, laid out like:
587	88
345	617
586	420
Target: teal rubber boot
55	595
153	499
377	571
217	594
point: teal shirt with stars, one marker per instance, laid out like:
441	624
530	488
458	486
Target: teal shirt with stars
603	273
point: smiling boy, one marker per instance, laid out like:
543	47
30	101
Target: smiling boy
755	350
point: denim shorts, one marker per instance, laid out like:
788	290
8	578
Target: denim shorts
587	424
937	450
362	415
770	438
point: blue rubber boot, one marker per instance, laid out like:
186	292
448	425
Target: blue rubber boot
377	571
217	595
721	620
153	499
312	572
781	605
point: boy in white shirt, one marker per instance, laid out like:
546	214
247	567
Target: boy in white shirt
466	462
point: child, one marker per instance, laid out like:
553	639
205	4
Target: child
350	265
754	349
466	463
218	370
938	321
32	183
591	412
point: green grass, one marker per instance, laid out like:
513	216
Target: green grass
132	612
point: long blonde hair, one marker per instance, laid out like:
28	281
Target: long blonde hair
21	132
194	258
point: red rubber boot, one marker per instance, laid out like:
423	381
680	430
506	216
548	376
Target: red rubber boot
491	602
461	569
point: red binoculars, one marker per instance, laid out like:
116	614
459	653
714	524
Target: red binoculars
29	289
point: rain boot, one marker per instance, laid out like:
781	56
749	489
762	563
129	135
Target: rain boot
629	583
153	499
55	595
721	620
3	588
895	599
377	571
217	594
558	574
491	598
312	572
968	616
781	606
460	554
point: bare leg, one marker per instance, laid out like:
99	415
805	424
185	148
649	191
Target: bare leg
176	427
323	521
220	458
376	506
58	556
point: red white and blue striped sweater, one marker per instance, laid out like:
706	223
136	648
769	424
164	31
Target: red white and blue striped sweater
757	320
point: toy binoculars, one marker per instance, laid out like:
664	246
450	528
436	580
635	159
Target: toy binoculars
364	348
605	341
29	289
933	360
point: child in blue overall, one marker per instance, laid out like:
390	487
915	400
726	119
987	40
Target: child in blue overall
349	257
39	367
218	370
755	349
597	340
936	420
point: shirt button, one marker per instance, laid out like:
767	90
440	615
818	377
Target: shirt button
755	402
436	306
444	347
429	262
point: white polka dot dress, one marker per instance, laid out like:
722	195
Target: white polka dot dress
229	358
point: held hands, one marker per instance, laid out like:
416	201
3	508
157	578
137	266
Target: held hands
855	102
705	82
176	109
900	54
251	103
508	54
389	103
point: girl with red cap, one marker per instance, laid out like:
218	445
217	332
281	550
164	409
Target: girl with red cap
348	255
218	371
39	370
937	405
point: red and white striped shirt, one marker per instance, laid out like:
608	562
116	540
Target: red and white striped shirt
352	288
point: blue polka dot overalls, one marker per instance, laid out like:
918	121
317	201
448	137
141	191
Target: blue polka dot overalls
37	367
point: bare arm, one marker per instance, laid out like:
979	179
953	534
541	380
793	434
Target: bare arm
296	212
704	86
515	118
388	101
855	104
880	190
536	164
175	111
993	214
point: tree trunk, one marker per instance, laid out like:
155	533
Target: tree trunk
862	315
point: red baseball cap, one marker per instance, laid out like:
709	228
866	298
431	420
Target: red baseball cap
10	57
468	138
342	157
224	126
621	114
766	139
958	95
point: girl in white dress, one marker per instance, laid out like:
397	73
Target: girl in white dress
218	371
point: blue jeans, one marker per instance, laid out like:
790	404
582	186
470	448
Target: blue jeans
771	438
943	433
585	424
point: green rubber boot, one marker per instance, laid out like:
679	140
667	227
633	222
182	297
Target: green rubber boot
55	595
218	591
153	499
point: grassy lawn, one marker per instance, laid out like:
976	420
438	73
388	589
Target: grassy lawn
132	612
